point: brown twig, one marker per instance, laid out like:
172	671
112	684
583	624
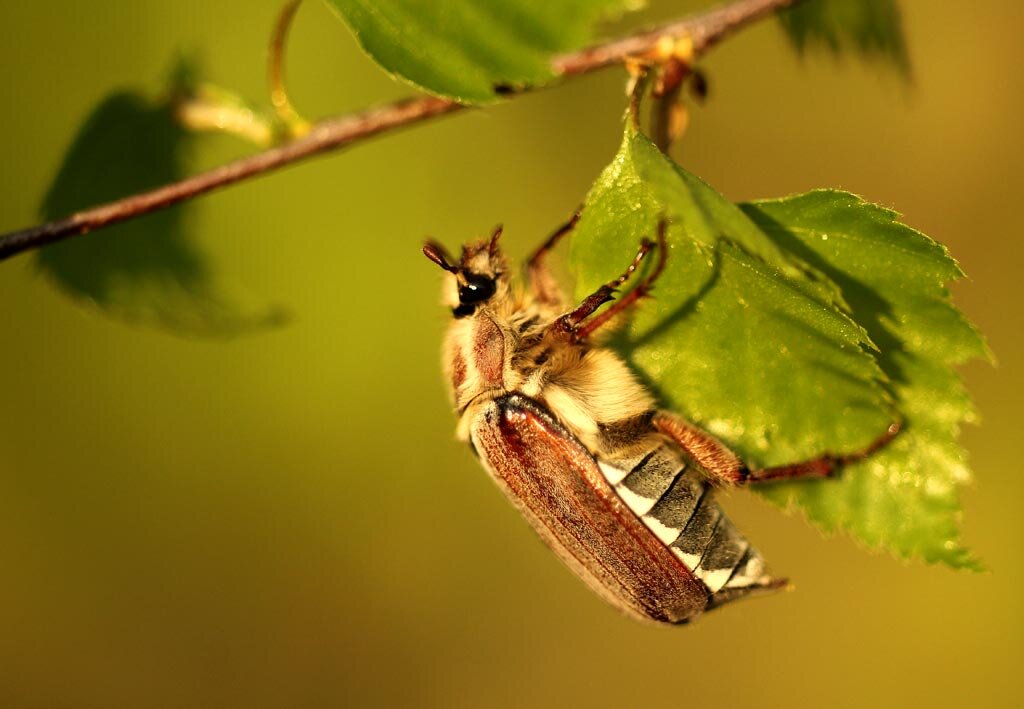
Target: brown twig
705	29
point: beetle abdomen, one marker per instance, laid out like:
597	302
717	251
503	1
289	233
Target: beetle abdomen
644	533
557	485
674	500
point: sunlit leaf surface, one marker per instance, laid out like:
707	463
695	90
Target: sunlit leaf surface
795	328
471	49
905	497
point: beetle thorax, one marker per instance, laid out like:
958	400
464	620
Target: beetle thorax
497	351
478	355
475	358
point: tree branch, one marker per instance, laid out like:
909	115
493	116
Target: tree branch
705	29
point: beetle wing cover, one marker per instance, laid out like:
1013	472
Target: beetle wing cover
557	485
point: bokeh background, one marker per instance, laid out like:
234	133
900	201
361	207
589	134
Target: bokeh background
285	520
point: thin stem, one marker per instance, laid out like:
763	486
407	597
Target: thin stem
705	29
275	71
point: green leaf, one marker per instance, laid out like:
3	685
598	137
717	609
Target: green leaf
144	270
737	337
470	49
905	497
784	354
873	28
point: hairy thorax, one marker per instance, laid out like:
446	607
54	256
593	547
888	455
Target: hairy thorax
590	390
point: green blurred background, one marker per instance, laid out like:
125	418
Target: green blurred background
285	520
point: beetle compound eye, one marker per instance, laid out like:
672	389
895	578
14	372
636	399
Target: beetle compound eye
476	290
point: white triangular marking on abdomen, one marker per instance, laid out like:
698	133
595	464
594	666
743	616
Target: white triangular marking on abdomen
691	560
640	505
751	574
714	580
666	534
613	474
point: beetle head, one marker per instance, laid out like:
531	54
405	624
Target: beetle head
479	274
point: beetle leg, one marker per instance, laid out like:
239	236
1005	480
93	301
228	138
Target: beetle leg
724	466
542	283
721	464
823	467
570	322
642	289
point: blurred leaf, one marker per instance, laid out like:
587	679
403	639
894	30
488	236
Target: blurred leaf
146	269
750	335
469	49
906	496
872	27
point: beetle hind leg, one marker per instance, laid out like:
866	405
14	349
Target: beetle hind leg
720	463
726	467
822	467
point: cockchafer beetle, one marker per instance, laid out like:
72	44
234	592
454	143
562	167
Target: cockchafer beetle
621	491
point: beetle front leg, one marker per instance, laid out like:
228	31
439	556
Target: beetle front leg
542	283
642	289
724	466
572	323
